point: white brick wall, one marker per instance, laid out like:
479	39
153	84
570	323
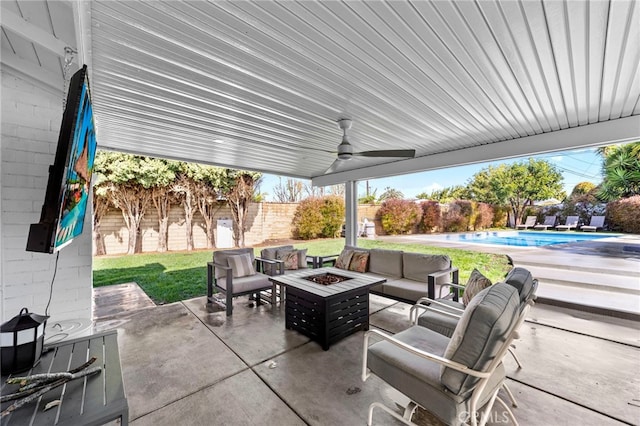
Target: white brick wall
31	117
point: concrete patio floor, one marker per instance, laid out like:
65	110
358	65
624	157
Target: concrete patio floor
184	365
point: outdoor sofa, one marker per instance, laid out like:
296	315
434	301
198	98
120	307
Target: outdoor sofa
409	276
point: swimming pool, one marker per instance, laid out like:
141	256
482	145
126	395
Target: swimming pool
521	238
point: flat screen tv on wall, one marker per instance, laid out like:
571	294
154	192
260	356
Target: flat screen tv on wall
69	184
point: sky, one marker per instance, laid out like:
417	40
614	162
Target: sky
576	166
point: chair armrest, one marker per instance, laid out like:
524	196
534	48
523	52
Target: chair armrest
418	352
458	287
319	261
413	313
269	266
211	266
431	281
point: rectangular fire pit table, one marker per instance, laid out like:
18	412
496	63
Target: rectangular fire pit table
327	313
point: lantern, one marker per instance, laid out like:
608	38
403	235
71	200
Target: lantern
22	339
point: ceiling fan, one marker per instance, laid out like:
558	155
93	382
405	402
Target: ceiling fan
345	150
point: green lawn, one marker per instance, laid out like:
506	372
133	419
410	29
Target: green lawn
174	276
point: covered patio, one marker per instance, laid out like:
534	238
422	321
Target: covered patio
182	363
262	86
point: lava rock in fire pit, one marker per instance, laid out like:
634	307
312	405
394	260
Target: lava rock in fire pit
327	279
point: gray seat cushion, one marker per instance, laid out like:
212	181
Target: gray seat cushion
441	323
480	333
386	262
418	378
246	284
405	289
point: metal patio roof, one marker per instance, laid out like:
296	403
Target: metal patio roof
260	85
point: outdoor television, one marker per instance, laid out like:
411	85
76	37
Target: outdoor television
69	183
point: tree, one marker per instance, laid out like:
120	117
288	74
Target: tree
184	187
209	182
621	171
164	173
583	188
517	185
288	192
370	198
238	189
445	195
391	194
126	183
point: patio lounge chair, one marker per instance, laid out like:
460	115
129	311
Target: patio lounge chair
596	223
442	315
531	220
571	222
234	272
453	378
549	222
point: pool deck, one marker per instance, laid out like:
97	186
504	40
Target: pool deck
600	276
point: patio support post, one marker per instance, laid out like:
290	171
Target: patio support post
351	211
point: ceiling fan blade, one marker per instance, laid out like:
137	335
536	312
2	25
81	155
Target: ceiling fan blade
388	153
333	167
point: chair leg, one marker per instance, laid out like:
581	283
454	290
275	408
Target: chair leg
515	357
229	306
388	411
506	407
508	391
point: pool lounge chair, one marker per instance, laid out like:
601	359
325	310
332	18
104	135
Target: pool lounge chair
531	220
571	222
549	222
596	223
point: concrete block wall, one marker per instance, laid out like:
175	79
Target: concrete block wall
31	118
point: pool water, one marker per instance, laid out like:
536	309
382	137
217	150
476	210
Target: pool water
522	238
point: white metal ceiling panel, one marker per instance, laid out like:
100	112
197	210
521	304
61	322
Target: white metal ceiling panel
261	84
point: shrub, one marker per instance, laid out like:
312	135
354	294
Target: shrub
307	220
458	216
318	217
500	216
398	216
584	206
453	220
483	216
624	215
431	216
332	211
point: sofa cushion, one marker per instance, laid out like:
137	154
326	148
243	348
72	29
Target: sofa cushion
417	266
480	333
476	283
289	257
343	261
221	257
302	258
359	261
271	252
386	262
522	280
241	265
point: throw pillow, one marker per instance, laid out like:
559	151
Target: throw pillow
477	282
302	258
289	257
241	265
344	259
359	261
